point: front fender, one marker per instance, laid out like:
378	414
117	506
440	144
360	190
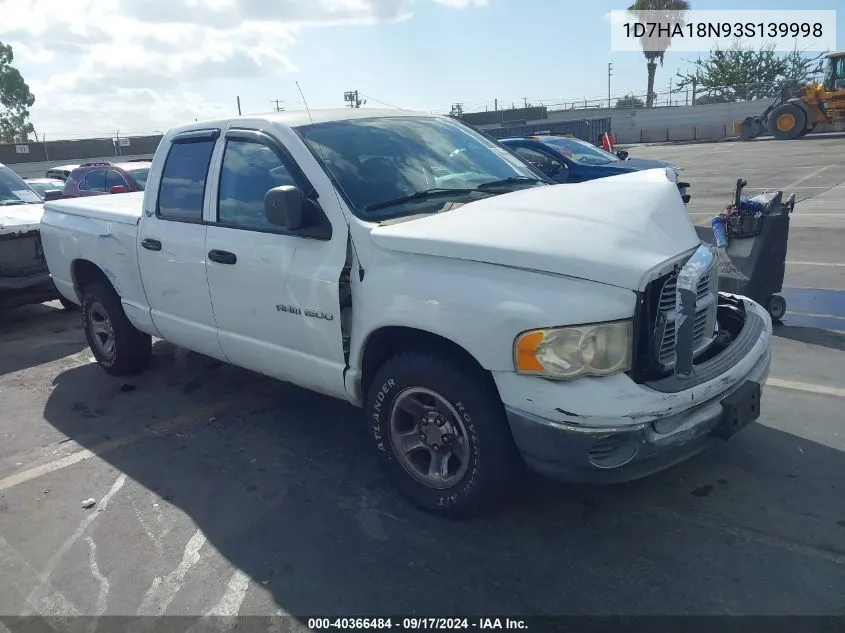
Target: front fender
480	307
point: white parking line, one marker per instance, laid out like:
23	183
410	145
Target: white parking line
834	264
792	385
75	458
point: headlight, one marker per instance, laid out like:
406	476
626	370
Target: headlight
564	353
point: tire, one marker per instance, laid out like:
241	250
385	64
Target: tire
776	307
787	114
492	462
70	306
130	349
807	130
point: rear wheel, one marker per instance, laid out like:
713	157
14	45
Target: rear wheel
118	346
787	121
807	130
776	307
441	434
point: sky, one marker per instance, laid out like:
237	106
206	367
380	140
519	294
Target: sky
98	67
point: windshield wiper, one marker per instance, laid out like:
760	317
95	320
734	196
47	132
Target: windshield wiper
513	180
7	203
436	192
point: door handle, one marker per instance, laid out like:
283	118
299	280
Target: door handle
151	244
222	257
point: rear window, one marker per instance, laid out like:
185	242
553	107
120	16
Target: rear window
180	196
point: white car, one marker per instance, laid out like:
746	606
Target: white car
24	278
483	318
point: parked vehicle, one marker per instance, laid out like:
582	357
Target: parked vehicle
42	185
103	177
24	278
60	172
566	159
482	318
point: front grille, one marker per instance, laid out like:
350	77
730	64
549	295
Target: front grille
663	340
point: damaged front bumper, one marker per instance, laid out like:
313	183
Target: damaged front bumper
613	429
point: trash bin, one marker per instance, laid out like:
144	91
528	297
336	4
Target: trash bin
754	261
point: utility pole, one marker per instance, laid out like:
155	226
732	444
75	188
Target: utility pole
496	103
239	106
457	110
609	75
352	100
277	108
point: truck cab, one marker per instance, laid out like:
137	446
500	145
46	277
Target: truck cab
485	319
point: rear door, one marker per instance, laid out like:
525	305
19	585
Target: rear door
275	293
171	249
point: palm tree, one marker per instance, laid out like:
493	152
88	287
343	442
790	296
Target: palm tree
654	47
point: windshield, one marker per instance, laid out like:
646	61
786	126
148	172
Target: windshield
140	176
581	152
13	190
373	161
42	187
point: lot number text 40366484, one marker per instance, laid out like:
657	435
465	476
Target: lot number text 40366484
416	623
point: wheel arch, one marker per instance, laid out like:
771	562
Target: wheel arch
84	272
387	341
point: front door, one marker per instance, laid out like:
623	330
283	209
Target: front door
171	249
275	293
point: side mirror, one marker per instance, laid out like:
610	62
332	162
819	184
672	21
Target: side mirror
553	169
118	189
283	207
622	154
53	194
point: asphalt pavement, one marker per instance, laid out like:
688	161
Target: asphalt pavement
217	491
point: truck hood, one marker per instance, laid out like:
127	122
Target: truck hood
20	218
621	230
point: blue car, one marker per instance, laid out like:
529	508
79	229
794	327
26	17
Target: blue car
565	159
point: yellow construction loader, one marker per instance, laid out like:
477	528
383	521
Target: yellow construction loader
793	116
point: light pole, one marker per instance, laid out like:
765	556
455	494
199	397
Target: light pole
609	74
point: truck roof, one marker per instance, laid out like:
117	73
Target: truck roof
294	118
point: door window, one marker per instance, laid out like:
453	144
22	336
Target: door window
182	189
541	161
94	181
250	169
113	179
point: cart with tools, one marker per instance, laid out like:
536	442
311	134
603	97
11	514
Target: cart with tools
751	238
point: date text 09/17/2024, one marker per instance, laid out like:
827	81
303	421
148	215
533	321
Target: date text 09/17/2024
416	624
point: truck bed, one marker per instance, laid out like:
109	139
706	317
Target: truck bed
100	229
124	208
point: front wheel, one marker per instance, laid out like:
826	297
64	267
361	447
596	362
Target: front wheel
118	346
787	121
441	434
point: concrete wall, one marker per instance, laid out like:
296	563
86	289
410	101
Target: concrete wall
673	123
58	152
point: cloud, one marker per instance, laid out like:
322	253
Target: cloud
148	62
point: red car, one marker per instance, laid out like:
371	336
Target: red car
95	179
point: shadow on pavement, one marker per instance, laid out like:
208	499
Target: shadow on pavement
811	336
37	334
283	484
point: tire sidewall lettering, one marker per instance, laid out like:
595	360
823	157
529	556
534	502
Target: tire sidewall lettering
378	409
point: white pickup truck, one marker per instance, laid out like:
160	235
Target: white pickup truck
484	318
